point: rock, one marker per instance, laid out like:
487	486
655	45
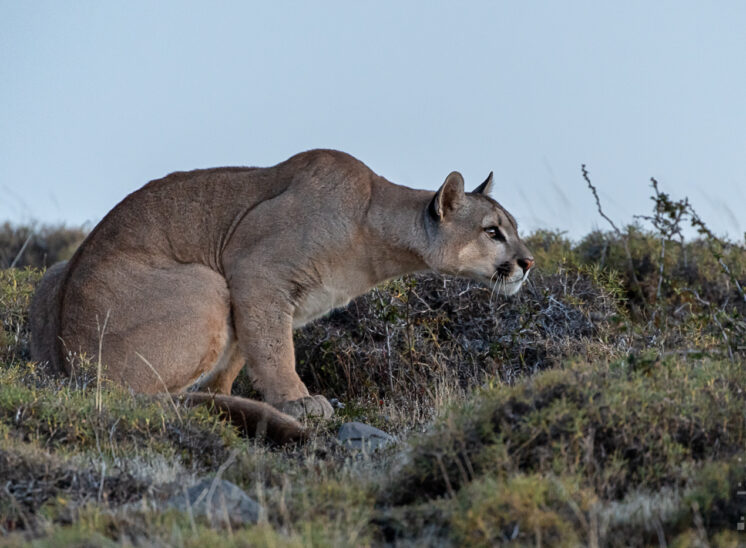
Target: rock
219	501
363	437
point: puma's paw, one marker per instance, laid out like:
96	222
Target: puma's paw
310	406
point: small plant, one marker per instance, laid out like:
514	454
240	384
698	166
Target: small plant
678	285
666	219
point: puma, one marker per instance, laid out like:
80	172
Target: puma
201	273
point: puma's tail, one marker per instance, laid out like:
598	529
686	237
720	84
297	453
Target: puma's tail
44	317
253	417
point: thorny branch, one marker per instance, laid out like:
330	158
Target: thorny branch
619	233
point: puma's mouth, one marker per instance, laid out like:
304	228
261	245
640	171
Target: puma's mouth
504	271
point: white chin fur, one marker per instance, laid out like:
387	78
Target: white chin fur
510	287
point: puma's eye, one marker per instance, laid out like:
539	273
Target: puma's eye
495	233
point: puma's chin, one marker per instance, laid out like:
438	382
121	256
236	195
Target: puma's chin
511	288
508	286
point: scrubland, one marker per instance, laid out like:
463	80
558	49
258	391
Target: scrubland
604	405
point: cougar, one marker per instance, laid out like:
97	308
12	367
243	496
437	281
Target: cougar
196	275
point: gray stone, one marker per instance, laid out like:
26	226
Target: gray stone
363	437
220	501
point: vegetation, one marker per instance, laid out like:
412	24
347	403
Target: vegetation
604	405
37	246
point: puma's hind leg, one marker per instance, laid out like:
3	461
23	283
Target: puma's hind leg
165	329
226	371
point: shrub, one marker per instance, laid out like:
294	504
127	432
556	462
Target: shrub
16	289
39	247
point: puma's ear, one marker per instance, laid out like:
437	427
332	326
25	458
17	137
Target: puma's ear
485	187
449	196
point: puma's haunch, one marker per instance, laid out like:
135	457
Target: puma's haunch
201	273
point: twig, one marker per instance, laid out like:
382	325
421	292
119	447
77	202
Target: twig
622	237
23	248
587	178
447	480
661	269
101	331
25	518
703	229
209	502
103	477
666	218
176	409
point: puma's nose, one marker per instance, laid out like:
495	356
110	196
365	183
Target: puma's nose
525	263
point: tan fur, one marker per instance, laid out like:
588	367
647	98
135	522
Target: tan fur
203	272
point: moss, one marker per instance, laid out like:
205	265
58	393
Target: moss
526	509
716	495
96	527
645	423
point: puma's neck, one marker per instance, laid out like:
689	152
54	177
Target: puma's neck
395	227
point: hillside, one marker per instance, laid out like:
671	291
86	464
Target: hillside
604	405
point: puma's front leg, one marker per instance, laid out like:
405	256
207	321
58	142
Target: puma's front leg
264	328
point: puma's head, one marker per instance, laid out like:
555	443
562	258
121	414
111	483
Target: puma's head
472	235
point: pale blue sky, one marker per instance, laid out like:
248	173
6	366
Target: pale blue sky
97	98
